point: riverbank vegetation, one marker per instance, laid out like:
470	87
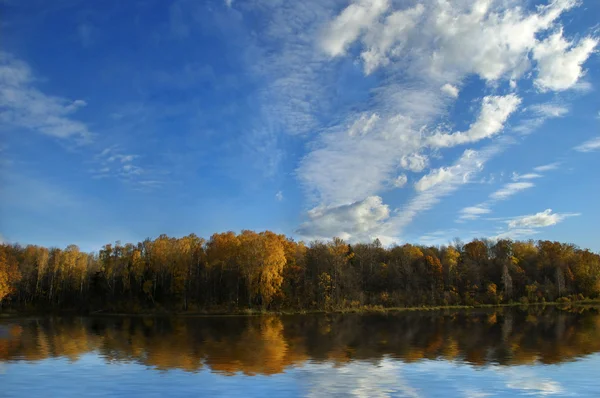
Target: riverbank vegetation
233	273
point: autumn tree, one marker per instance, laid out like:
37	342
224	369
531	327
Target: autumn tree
9	273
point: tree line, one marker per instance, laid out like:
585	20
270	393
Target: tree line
232	272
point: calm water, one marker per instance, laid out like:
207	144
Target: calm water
477	354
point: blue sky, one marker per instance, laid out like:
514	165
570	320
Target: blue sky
408	120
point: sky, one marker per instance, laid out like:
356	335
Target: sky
407	121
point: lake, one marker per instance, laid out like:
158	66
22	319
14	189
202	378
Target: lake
479	353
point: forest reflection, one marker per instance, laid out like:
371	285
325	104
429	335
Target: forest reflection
271	344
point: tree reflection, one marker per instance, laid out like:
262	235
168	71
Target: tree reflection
270	344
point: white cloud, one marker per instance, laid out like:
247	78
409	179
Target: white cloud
511	189
547	167
528	225
386	39
279	196
358	221
440	237
450	90
476	37
539	114
589	146
539	220
414	162
229	3
527	176
559	62
344	168
24	106
495	110
508	190
435	177
420	63
400	181
515	234
487	38
456	175
549	110
112	163
363	125
473	212
525	227
121	158
348	26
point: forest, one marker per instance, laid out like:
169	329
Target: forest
266	271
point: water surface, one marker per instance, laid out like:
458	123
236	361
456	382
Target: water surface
511	352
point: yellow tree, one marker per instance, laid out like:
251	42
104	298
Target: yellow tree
222	254
450	261
250	259
185	250
9	273
271	275
54	269
340	255
294	272
69	276
42	268
262	258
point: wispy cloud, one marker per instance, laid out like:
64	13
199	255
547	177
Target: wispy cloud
547	167
543	219
521	183
538	114
86	33
511	189
530	224
279	196
24	106
473	212
549	109
526	176
495	110
450	90
113	163
589	146
400	181
458	174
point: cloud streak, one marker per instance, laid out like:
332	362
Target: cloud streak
24	106
539	220
589	146
530	224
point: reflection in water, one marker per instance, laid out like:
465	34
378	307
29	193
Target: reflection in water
269	345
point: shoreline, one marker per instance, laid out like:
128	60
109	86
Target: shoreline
255	312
